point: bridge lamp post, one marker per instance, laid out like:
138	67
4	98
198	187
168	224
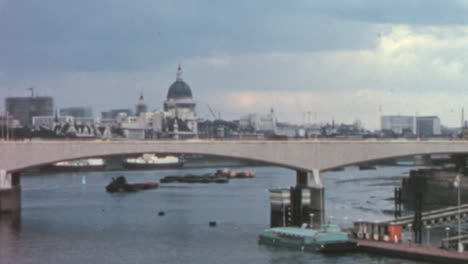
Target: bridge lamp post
447	231
456	183
428	228
410	231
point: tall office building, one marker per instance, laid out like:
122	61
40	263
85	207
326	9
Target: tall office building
25	108
428	126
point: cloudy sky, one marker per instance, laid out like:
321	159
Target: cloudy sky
310	60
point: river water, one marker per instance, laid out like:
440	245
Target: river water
65	220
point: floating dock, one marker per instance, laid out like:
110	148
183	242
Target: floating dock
409	250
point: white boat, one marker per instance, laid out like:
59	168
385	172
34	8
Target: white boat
76	165
152	161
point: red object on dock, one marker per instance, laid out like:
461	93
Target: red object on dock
394	233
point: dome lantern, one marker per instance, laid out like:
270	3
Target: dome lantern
179	89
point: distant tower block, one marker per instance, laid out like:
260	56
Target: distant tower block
463	117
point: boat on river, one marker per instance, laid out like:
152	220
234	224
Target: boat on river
151	161
120	184
327	239
93	164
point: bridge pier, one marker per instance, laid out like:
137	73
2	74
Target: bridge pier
303	203
10	192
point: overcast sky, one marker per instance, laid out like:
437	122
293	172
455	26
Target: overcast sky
338	60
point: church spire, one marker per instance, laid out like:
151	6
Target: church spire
141	106
179	73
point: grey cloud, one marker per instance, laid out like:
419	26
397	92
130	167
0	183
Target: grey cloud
426	12
91	35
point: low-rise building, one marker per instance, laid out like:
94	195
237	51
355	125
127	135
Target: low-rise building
398	124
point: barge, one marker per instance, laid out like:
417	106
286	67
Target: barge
328	239
120	185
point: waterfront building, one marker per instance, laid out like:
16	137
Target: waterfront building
25	108
114	113
7	122
217	129
248	123
398	124
267	123
179	108
81	127
77	111
421	126
286	130
258	123
428	126
49	122
145	125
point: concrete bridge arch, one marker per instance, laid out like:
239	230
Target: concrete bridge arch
300	155
308	157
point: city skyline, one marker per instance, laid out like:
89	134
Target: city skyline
337	61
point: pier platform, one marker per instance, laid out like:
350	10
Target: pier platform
409	250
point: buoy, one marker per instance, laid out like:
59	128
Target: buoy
161	213
212	223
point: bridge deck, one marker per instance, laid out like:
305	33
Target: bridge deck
450	240
304	155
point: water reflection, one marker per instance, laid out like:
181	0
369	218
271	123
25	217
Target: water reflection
64	221
10	227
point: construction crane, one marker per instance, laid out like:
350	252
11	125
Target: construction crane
32	91
212	113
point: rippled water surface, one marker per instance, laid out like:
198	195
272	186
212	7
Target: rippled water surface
66	221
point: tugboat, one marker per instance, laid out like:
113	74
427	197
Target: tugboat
328	239
120	185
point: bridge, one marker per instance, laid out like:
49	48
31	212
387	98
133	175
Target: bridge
308	157
303	155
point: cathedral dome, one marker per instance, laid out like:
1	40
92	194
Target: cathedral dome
179	89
